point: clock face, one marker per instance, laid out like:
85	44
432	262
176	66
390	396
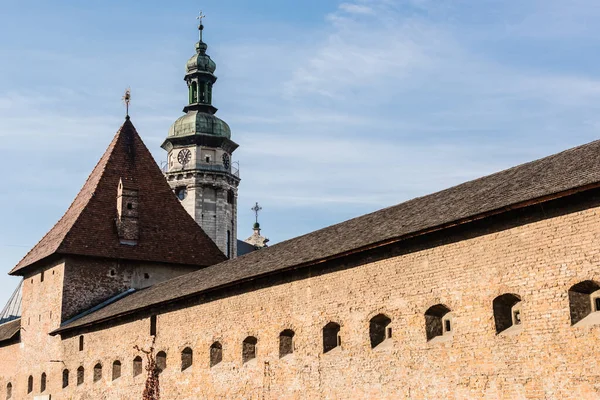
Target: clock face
184	156
226	162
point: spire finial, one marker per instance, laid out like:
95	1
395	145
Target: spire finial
256	210
126	101
200	18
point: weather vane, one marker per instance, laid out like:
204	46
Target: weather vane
256	210
200	18
127	100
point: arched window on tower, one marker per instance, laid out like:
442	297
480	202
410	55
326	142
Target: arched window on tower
194	92
216	354
9	391
29	384
43	383
209	94
202	92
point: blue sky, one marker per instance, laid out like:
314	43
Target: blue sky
340	107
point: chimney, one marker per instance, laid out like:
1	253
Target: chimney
127	211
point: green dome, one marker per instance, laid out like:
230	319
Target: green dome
199	123
201	61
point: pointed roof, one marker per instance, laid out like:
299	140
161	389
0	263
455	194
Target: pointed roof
167	232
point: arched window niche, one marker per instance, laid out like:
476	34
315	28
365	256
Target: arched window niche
286	342
29	384
65	378
161	361
507	313
584	303
186	358
194	93
137	366
331	337
80	375
249	349
216	354
9	391
439	325
43	381
116	370
380	331
97	372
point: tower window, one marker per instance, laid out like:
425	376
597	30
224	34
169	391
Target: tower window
507	311
228	244
116	372
29	384
181	192
153	325
207	159
43	383
42	277
80	375
194	93
65	378
230	197
81	343
9	391
186	358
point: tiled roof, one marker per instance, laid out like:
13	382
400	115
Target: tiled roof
10	329
167	233
558	175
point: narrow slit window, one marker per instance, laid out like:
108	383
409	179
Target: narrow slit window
153	325
216	354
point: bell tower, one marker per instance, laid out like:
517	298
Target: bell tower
199	146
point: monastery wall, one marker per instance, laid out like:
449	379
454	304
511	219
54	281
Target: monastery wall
539	258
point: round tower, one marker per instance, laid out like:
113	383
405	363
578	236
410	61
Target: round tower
199	146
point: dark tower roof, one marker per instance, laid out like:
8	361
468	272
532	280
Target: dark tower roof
167	233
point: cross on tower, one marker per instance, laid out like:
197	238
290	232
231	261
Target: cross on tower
256	210
200	18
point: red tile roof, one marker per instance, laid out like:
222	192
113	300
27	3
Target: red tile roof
167	233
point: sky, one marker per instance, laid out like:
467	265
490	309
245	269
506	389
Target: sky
340	108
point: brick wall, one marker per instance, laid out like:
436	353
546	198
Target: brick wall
537	255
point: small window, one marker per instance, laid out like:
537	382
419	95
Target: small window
161	361
29	384
137	366
286	343
153	325
113	272
42	277
438	321
9	391
207	159
80	375
81	343
216	354
181	192
97	372
65	378
116	370
582	300
507	311
43	383
597	304
249	349
186	358
146	275
129	206
331	337
378	329
230	197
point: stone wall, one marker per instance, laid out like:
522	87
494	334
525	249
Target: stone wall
537	255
